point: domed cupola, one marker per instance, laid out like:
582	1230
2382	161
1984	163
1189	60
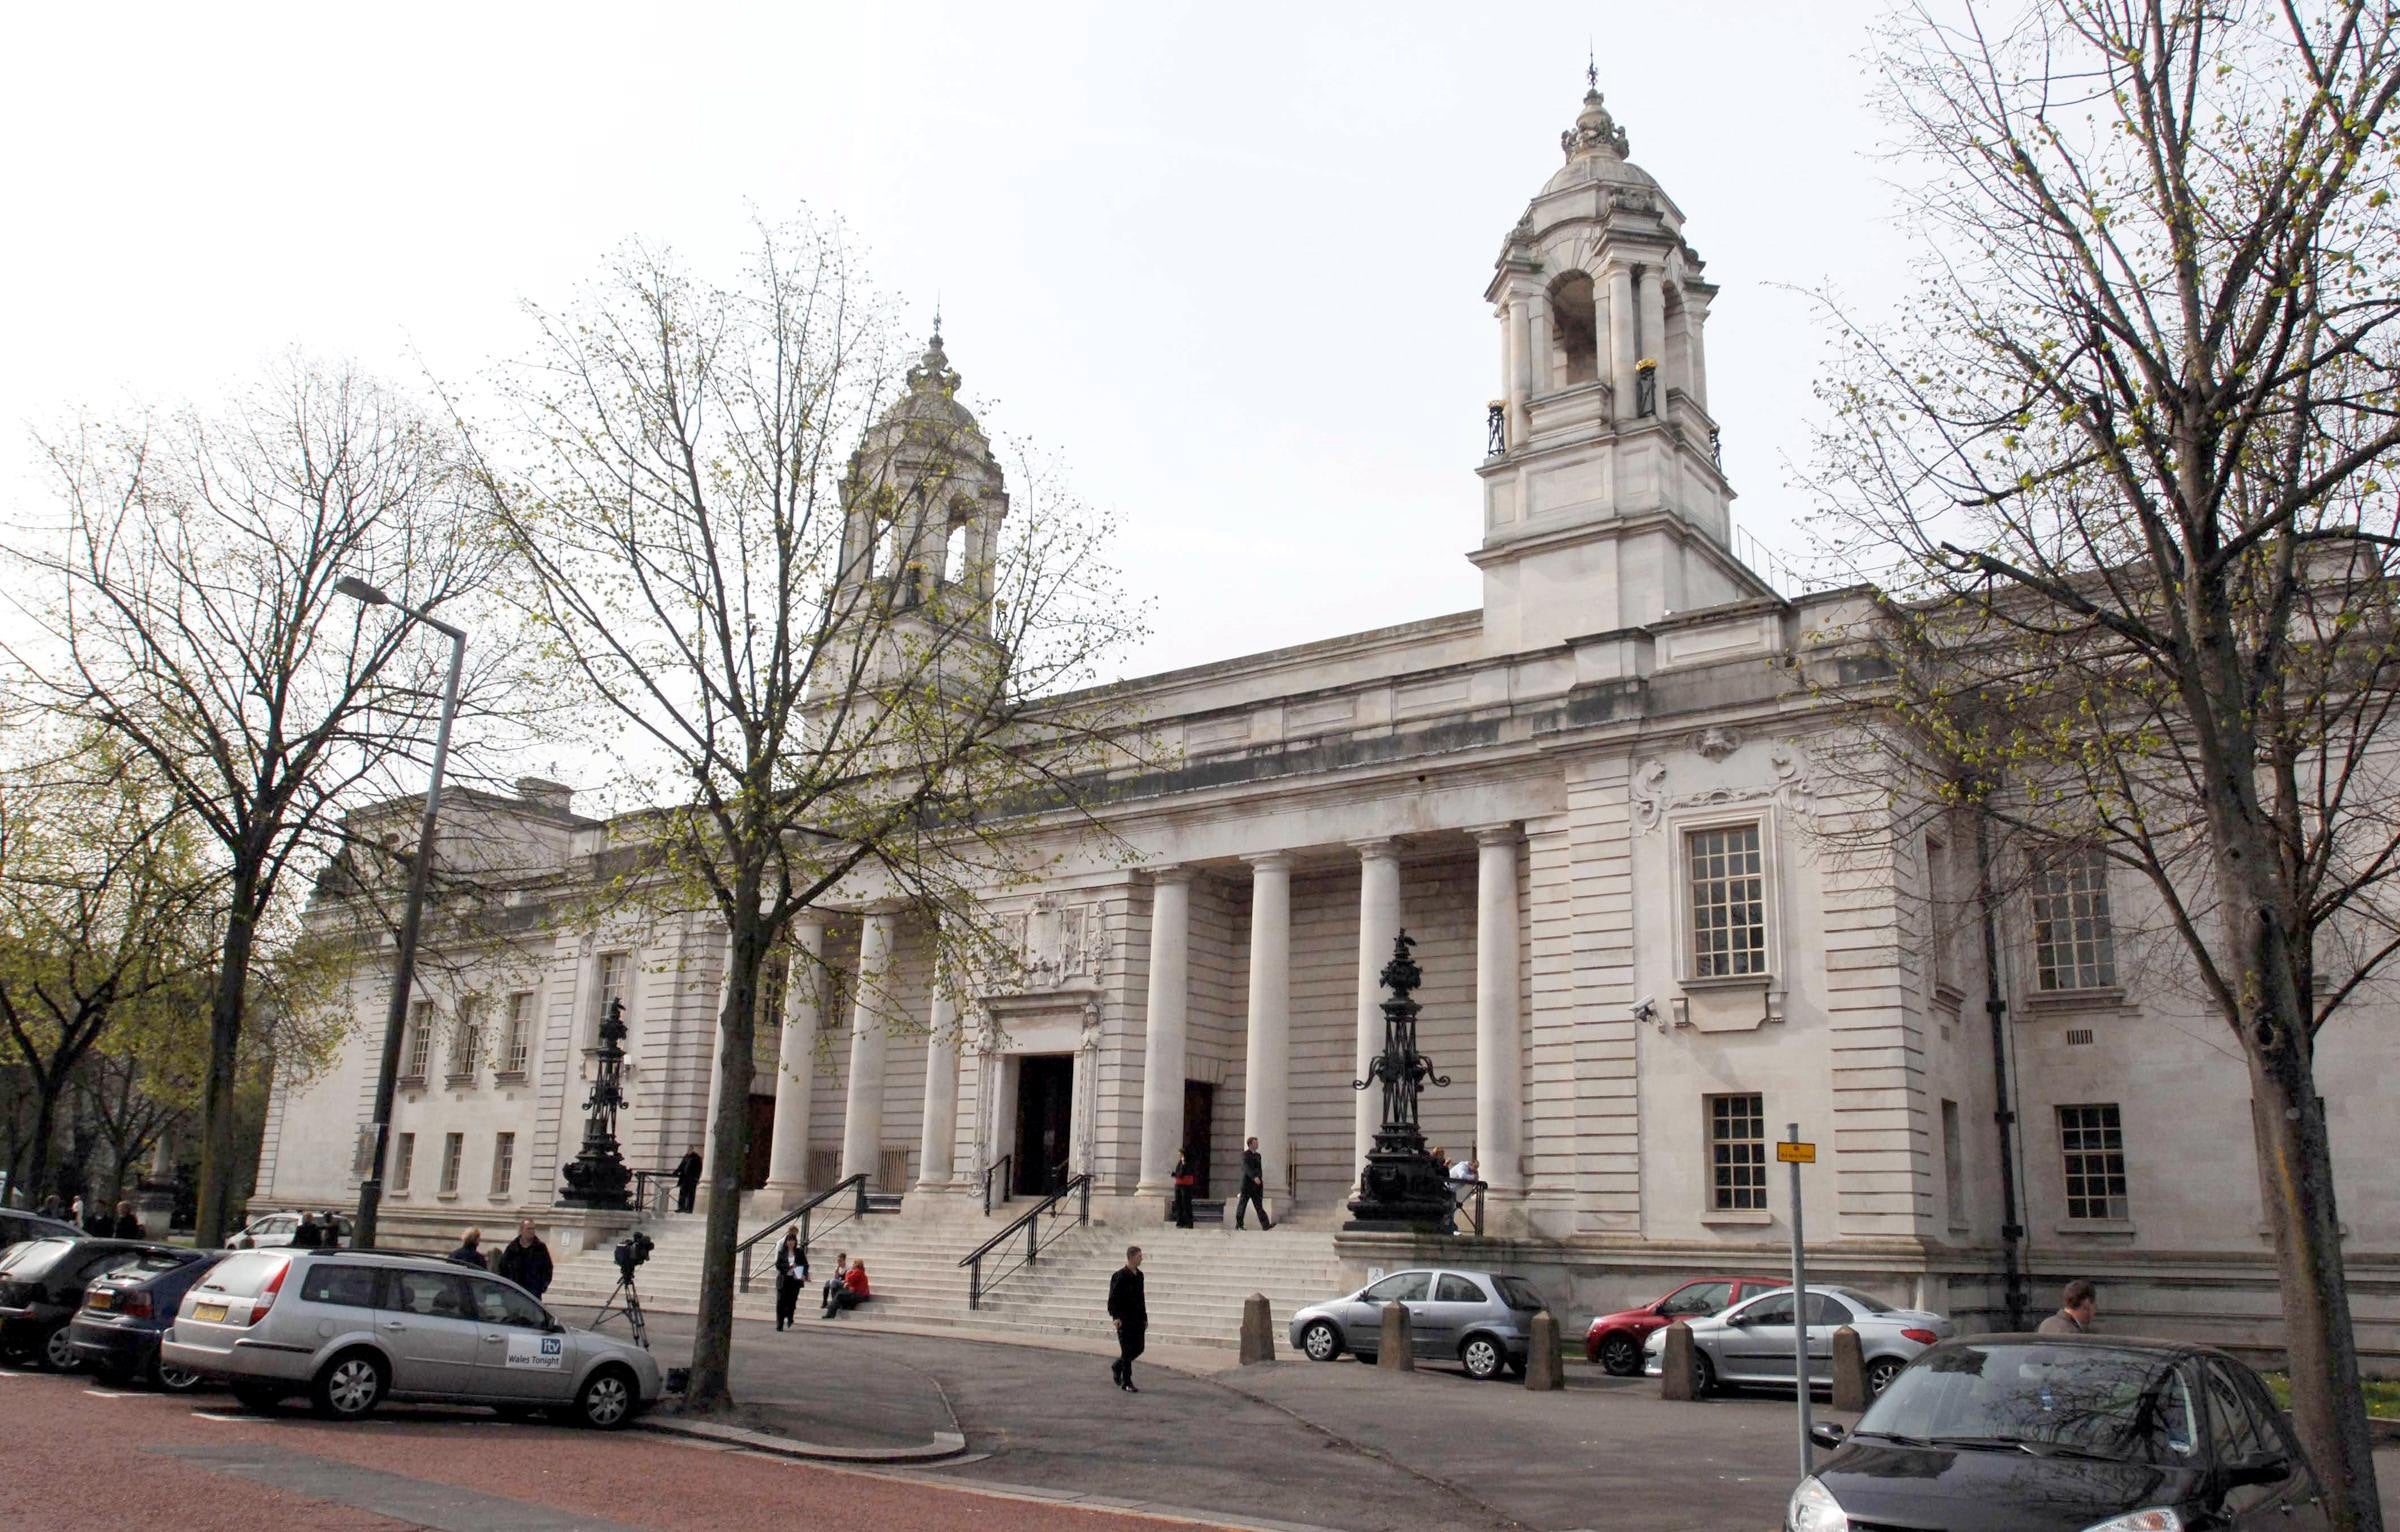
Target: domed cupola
1604	505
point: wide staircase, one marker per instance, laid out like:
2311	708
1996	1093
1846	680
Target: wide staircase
1197	1279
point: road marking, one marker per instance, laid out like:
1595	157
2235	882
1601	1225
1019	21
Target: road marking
114	1393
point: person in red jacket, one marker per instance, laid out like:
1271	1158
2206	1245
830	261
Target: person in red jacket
852	1292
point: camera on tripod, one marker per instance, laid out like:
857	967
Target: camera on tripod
632	1251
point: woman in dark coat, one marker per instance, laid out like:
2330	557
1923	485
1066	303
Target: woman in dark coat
791	1272
1183	1189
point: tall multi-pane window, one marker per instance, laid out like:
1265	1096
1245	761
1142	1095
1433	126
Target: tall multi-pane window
419	1052
404	1163
519	1049
454	1149
2093	1142
1938	958
1954	1168
616	969
1728	891
1737	1154
2073	947
466	1039
504	1162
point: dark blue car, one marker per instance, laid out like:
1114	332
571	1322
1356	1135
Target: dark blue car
115	1333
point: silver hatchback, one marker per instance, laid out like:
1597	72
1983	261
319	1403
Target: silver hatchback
1752	1342
1480	1319
352	1328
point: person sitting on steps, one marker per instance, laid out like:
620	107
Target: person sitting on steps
853	1290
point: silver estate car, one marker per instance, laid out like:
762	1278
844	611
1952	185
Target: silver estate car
1481	1319
352	1328
1752	1341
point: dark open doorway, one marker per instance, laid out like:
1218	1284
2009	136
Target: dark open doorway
1199	1123
756	1154
1045	1121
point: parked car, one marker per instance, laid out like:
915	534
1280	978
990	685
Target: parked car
116	1332
1615	1340
17	1226
2064	1434
352	1328
1752	1341
41	1287
1480	1319
277	1231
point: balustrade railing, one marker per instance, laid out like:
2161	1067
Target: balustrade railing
654	1192
1469	1197
999	1182
851	1189
1028	1229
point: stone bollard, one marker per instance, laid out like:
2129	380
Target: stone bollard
1675	1364
1849	1371
1545	1369
1394	1353
1258	1330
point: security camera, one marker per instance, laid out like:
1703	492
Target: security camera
1646	1008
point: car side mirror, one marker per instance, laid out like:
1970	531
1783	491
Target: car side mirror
1826	1434
2267	1468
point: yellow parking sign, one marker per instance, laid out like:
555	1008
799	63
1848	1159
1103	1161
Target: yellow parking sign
1789	1153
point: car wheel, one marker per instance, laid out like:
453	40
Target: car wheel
168	1378
1321	1341
1620	1356
58	1350
1483	1357
1704	1374
347	1387
1881	1372
607	1399
257	1396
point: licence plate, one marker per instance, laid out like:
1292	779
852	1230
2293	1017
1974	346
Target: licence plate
101	1301
209	1313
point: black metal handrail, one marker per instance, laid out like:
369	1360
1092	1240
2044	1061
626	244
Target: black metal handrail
654	1192
1464	1192
1030	1223
856	1186
1005	1168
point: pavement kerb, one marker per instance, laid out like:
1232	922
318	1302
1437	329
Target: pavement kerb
945	1444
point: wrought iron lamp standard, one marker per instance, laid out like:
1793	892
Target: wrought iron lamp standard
1401	1190
597	1175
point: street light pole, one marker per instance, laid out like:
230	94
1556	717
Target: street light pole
387	1073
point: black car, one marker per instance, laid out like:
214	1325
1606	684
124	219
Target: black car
17	1226
2072	1433
41	1287
115	1333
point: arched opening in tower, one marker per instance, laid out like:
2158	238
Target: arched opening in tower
1574	331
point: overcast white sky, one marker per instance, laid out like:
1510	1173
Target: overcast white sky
1227	259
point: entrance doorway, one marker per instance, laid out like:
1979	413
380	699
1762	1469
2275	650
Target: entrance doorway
1045	1121
757	1154
1199	1124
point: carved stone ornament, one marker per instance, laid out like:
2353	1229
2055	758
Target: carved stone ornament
1716	743
1595	131
1649	795
1792	791
1633	199
1056	941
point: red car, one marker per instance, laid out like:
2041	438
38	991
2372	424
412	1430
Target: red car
1615	1340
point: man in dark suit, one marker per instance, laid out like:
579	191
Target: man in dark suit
687	1179
1129	1311
1254	1186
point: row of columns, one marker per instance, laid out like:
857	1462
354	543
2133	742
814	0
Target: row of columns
1499	1112
1629	301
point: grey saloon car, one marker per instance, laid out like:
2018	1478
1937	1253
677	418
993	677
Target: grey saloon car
1480	1319
1752	1341
351	1328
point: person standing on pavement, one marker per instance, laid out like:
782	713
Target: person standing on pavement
1184	1181
125	1225
525	1260
469	1251
1129	1311
1254	1186
687	1179
791	1271
2078	1307
308	1236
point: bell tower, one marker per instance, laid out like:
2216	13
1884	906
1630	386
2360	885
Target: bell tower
1603	503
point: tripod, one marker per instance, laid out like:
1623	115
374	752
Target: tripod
624	1300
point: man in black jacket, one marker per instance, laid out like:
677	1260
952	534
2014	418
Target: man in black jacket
1130	1313
525	1260
1254	1186
687	1179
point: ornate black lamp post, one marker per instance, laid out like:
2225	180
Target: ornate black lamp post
596	1177
1401	1190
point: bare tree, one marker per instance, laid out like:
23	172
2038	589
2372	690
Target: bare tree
2122	462
821	662
186	603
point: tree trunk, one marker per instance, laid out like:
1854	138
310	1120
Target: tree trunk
45	1122
224	1047
728	1147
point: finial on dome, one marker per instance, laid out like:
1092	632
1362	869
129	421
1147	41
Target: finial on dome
1591	65
1595	131
934	368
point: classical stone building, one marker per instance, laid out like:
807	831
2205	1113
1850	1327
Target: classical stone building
1656	928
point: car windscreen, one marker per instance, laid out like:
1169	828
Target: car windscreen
245	1273
2129	1406
146	1264
31	1261
1518	1294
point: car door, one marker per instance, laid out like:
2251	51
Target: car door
1362	1317
428	1323
1756	1343
2299	1503
1826	1313
520	1352
1435	1325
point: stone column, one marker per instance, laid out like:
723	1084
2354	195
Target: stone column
936	1151
1520	378
796	1060
1544	346
1695	323
1652	331
1499	1095
1621	343
862	1114
1378	923
1266	1071
1163	1060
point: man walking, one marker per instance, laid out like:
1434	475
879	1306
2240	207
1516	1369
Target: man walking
525	1260
1129	1311
1254	1186
2078	1306
687	1179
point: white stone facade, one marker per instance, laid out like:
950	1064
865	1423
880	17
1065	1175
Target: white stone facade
1571	797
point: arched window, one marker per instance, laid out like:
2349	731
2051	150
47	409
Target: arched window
1574	331
954	555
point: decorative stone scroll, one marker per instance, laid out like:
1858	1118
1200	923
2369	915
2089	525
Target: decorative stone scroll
1056	942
